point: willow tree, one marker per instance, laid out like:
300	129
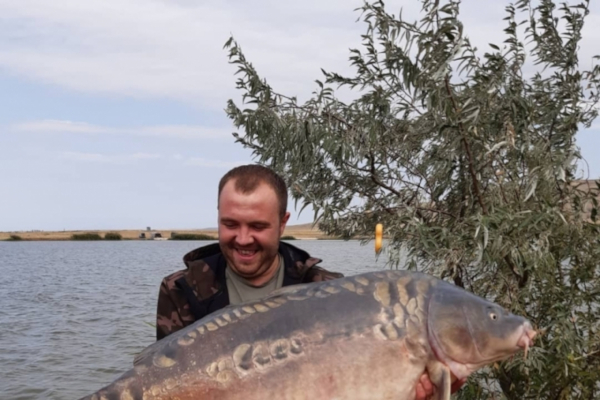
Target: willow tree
469	161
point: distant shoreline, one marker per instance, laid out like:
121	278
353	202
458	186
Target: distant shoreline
300	232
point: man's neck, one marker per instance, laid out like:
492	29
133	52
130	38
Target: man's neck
268	275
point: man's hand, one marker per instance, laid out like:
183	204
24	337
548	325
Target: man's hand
425	387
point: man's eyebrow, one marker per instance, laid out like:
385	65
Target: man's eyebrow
258	222
261	223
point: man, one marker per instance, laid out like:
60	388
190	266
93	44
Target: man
249	261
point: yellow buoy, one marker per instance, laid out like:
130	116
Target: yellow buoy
378	237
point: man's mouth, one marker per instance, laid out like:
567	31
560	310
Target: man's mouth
246	253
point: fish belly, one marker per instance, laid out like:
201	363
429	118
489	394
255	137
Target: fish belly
351	369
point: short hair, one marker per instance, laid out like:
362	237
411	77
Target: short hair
248	177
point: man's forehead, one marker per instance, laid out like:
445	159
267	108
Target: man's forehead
262	189
249	215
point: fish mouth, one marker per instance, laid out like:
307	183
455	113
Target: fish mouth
526	339
462	369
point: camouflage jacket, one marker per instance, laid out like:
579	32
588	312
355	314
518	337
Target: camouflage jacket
192	293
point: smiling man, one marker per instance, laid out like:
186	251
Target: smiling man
249	261
252	217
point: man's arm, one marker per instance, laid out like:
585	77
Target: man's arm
168	319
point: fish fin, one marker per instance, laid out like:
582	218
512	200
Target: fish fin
150	351
144	354
440	376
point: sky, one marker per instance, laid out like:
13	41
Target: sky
112	111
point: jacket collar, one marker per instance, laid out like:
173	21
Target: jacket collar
295	262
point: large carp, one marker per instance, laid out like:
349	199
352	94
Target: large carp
368	336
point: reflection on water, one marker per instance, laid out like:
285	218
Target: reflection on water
74	314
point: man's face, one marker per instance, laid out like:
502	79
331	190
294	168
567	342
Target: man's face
250	229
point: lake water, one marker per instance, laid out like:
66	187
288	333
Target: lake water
74	314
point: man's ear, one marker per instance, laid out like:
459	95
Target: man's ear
284	221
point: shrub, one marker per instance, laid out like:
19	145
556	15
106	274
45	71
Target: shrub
469	160
86	236
113	236
14	237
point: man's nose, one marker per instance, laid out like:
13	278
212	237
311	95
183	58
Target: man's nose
244	237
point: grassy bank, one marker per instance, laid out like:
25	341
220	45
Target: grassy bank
304	231
192	236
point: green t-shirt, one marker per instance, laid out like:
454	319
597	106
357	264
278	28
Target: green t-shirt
240	290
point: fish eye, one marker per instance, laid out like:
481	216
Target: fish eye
493	316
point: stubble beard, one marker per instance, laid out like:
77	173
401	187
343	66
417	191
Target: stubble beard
254	269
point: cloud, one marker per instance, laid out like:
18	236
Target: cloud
140	157
145	156
175	131
108	159
165	49
174	49
203	162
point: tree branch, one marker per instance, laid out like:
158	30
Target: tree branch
468	150
521	279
